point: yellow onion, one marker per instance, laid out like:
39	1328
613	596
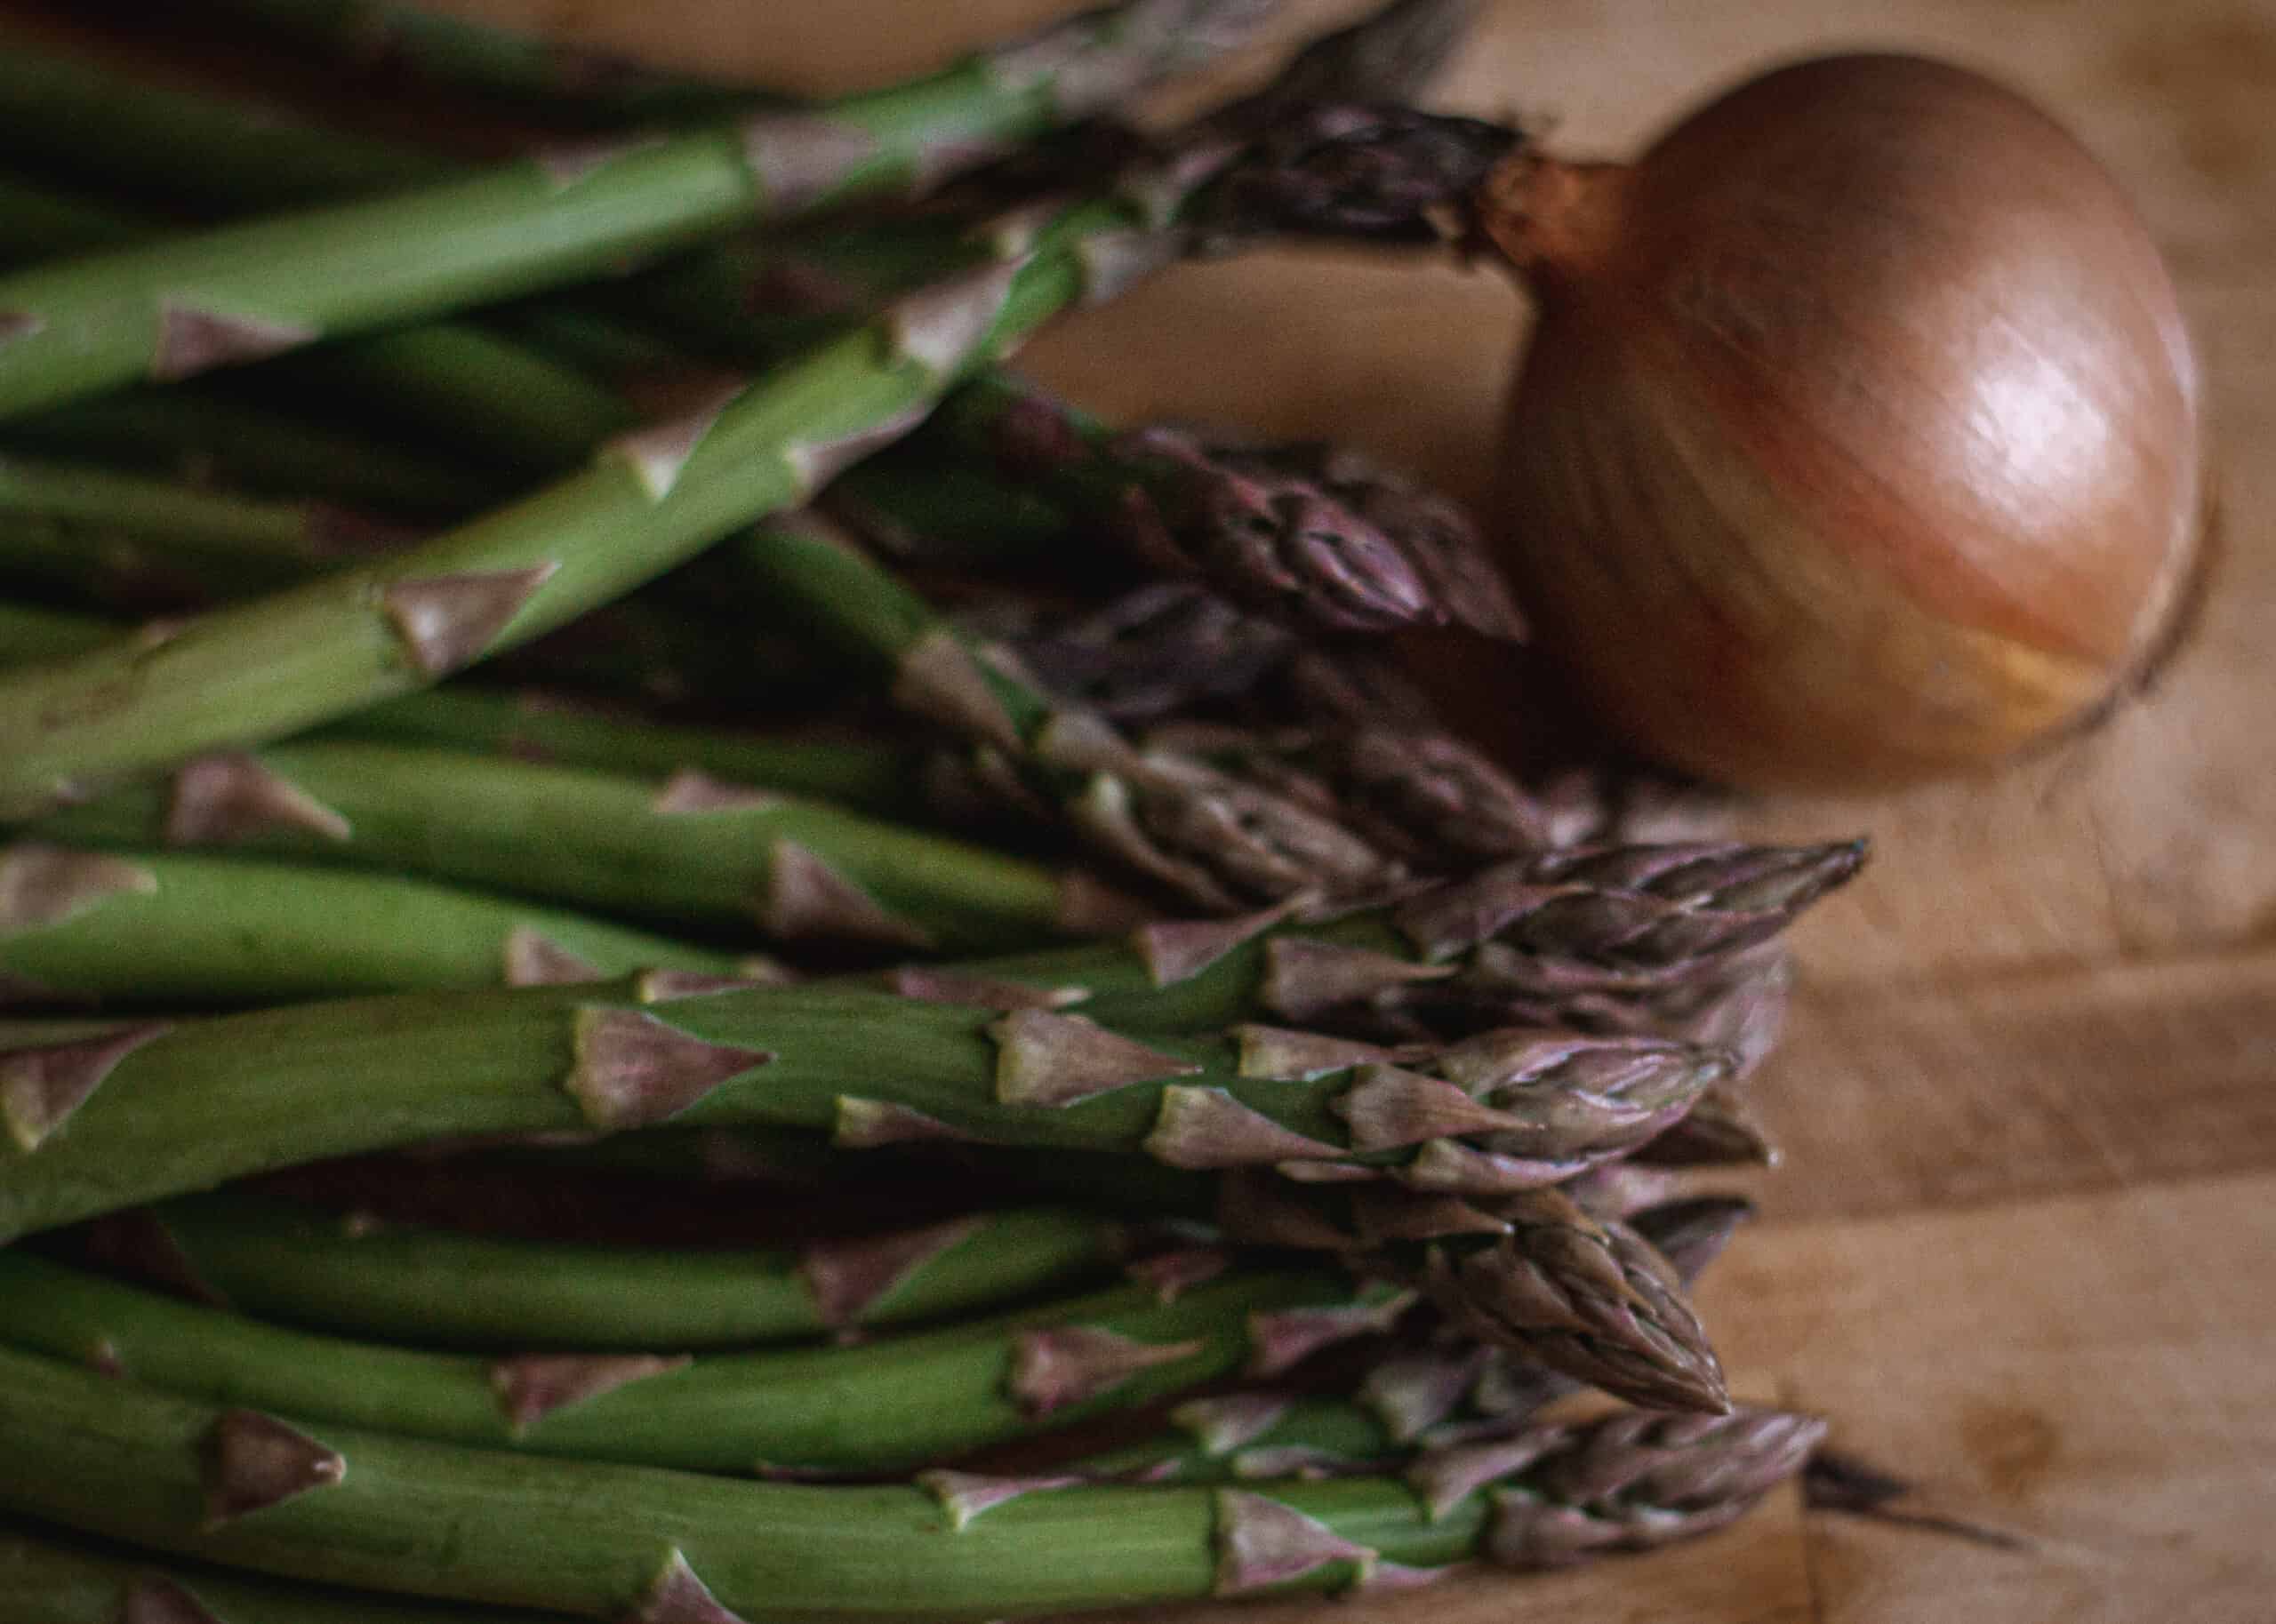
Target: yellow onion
1859	436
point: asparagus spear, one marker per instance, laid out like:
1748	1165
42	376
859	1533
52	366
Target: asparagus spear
147	928
355	1508
197	432
651	501
894	1403
536	725
452	1289
691	851
1421	1396
238	293
1278	542
49	1577
138	543
159	1111
1565	931
465	386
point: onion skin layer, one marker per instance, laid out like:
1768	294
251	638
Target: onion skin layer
1859	439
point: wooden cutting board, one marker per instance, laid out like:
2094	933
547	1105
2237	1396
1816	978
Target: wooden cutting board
2021	1248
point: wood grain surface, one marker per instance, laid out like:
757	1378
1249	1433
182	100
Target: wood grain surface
2022	1247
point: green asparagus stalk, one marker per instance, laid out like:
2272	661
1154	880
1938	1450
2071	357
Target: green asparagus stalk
539	726
130	541
198	433
160	1110
891	1405
448	1288
691	851
349	1506
466	386
649	501
144	928
238	293
1435	1395
49	1577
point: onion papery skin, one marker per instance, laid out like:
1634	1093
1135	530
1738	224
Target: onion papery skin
1859	437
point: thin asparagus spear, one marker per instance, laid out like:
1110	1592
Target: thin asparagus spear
50	1577
1417	1398
690	850
545	77
199	432
161	1110
145	928
238	293
130	542
649	501
1264	538
448	1288
347	1506
535	725
891	1405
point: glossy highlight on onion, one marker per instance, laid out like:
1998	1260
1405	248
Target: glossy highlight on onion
1859	439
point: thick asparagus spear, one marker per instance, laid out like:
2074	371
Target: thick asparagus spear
452	1289
145	928
160	1110
691	850
347	1507
649	501
894	1403
237	293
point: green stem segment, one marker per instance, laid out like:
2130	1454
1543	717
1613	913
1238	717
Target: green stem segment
692	850
891	1405
160	928
347	1506
450	1288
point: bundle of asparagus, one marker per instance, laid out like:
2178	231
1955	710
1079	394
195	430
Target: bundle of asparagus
1372	1078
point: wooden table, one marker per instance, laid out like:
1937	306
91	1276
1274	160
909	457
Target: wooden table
2021	1249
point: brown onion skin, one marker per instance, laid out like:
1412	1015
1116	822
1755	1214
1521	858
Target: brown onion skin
1859	437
